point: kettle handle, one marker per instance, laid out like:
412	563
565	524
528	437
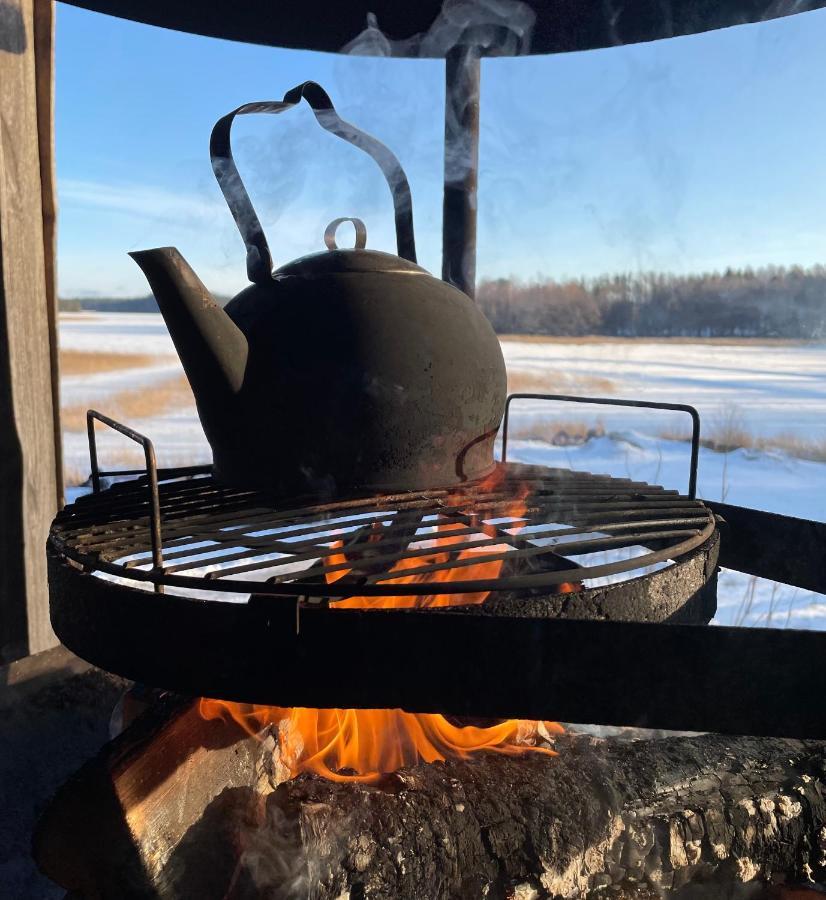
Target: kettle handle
259	258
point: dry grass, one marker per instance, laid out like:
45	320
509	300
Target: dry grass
164	397
129	406
127	457
559	432
728	432
140	403
607	339
526	382
794	445
81	362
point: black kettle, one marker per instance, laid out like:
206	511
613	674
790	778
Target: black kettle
345	372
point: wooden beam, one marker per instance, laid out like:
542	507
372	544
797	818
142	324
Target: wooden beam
28	430
44	26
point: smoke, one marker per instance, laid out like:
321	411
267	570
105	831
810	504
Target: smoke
504	27
474	28
278	168
273	857
498	27
374	42
687	21
293	854
778	9
482	28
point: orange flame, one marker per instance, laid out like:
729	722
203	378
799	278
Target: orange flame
476	571
444	544
361	744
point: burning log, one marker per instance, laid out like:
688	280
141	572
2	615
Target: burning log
179	806
643	815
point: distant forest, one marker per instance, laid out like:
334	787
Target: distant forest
769	302
116	304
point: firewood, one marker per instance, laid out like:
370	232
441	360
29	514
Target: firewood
178	808
642	817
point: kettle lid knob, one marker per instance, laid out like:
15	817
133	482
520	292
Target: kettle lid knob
358	225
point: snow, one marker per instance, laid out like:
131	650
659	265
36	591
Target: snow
769	388
776	387
773	481
78	390
177	435
115	333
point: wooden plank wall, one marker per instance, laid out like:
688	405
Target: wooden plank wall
30	484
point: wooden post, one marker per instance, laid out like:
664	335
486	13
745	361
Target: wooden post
44	28
30	482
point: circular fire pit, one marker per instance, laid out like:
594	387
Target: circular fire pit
219	592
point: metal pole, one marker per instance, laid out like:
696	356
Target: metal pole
462	77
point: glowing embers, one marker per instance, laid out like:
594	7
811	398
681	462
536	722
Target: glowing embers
362	744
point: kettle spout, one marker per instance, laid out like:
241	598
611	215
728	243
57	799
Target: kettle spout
212	348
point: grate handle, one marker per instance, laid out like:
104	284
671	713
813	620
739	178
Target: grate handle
612	401
92	416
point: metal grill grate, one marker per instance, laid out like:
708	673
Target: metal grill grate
531	519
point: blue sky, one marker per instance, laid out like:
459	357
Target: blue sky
690	154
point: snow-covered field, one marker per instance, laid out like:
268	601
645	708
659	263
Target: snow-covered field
765	388
776	387
177	434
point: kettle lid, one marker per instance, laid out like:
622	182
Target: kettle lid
339	260
334	261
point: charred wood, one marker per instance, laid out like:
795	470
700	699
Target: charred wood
185	808
678	813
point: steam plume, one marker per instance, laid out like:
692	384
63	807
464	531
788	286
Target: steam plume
496	27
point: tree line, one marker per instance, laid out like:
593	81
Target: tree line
768	302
